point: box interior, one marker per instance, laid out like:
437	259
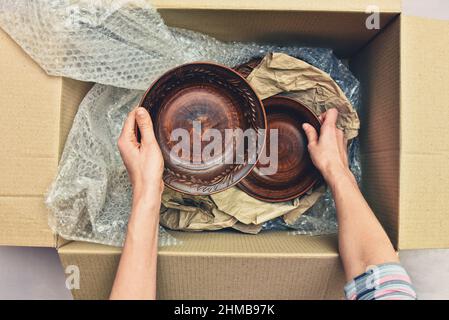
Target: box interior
371	54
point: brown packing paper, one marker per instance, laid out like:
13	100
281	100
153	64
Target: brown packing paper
281	73
277	73
251	211
247	209
247	228
183	212
303	204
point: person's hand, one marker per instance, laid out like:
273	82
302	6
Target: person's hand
136	273
328	151
143	160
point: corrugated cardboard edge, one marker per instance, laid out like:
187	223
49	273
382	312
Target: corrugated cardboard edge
424	167
309	266
377	66
390	6
297	20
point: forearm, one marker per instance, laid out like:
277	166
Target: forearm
362	240
136	274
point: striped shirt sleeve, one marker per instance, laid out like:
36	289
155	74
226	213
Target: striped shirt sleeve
387	281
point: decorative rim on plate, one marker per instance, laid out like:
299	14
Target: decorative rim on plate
211	74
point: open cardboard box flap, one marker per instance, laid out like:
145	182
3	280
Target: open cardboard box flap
37	112
402	68
424	138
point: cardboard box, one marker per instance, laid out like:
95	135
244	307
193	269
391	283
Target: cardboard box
402	68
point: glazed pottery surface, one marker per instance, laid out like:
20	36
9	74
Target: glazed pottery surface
295	173
195	98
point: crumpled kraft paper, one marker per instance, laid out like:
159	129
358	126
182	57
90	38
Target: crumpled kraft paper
281	73
184	212
247	228
249	210
277	73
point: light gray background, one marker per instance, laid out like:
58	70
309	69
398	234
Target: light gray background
36	273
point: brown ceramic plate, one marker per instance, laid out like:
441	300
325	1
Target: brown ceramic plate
215	97
295	173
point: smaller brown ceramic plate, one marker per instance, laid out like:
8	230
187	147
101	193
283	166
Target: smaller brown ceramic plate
202	102
295	173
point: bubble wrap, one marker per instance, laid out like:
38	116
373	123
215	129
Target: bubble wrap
123	46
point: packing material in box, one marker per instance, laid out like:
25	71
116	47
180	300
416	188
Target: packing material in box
401	66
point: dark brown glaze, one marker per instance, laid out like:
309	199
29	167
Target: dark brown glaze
248	67
220	99
296	173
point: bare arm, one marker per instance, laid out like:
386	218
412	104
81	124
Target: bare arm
362	240
136	273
